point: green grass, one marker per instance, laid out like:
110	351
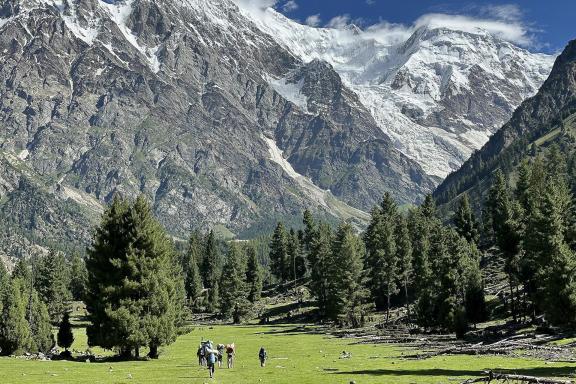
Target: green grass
294	357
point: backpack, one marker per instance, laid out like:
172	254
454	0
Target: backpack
262	353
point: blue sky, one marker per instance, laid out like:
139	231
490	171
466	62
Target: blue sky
539	25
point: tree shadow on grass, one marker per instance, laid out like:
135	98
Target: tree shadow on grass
293	331
538	371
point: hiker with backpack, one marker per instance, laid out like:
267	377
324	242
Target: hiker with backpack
211	360
230	352
262	355
220	349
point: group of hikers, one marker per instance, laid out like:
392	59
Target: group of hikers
209	357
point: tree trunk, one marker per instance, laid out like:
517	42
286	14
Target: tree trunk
137	352
512	303
407	299
388	305
153	354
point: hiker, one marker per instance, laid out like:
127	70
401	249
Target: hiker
220	349
230	352
211	360
200	354
262	355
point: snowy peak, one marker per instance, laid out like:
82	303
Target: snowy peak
438	92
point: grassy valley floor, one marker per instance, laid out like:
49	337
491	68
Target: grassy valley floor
295	356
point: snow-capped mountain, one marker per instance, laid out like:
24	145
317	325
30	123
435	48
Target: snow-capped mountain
439	93
226	121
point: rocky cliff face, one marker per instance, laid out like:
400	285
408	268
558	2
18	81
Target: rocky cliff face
187	102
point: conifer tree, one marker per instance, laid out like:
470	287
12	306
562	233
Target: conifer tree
506	222
65	335
294	255
210	262
279	257
233	292
135	285
465	221
404	255
191	261
320	258
40	327
15	335
23	271
382	256
214	298
557	269
253	275
347	297
78	277
52	281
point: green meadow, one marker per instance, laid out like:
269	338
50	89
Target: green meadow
296	355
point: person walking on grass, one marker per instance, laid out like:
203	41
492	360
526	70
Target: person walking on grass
220	349
262	355
230	352
211	360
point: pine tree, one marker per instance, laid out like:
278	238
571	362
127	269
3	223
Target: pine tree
320	257
253	275
474	301
294	255
233	292
40	327
65	335
135	284
214	298
347	297
558	298
78	277
23	271
465	221
404	256
52	281
15	335
506	222
191	269
382	256
210	262
279	257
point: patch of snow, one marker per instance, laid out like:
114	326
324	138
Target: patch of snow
99	71
23	155
3	22
119	12
321	196
291	92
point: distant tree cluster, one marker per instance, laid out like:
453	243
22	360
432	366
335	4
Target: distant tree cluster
402	258
36	297
224	278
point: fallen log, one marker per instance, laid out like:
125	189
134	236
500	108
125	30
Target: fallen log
491	376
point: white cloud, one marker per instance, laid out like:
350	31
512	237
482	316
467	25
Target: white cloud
290	6
509	12
339	22
313	20
256	5
513	31
370	2
503	21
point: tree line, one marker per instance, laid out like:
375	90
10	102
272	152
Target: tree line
531	222
410	259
